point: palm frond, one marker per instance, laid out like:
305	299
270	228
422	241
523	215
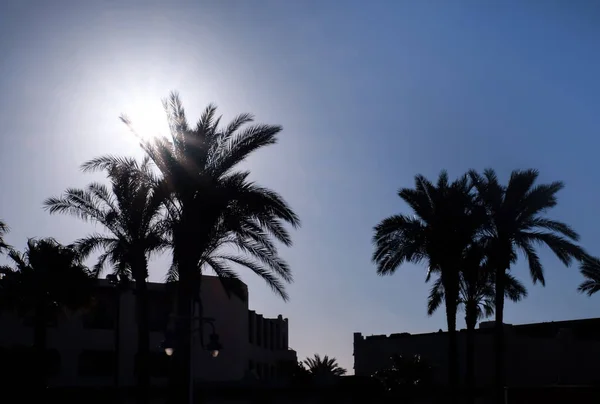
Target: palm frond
436	297
565	250
272	281
535	266
3	230
398	239
240	146
514	289
590	269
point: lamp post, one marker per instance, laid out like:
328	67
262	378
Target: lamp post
120	283
214	346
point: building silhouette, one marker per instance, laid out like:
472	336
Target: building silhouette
83	350
538	354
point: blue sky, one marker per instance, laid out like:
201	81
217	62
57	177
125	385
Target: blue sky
369	94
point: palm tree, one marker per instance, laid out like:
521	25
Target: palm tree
517	223
476	296
198	166
323	367
45	278
3	230
590	269
443	226
131	212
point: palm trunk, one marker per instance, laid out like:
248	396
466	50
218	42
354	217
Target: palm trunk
499	342
180	375
143	342
117	341
452	346
471	321
39	343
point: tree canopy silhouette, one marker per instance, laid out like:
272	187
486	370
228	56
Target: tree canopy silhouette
206	193
132	214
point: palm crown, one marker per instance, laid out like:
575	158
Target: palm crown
318	366
131	211
517	222
47	273
207	199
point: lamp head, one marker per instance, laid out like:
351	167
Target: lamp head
214	346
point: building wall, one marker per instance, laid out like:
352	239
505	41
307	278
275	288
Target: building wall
73	339
268	346
536	354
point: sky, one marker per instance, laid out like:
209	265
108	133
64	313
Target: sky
369	95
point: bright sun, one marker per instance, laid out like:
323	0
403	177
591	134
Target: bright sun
147	119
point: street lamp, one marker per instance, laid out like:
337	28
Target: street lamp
214	346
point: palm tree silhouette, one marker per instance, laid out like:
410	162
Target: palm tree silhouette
3	230
443	226
590	269
131	212
199	169
517	223
45	278
323	367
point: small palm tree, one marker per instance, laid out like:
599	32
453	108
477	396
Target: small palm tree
444	224
323	367
45	278
590	269
199	167
517	222
131	212
3	230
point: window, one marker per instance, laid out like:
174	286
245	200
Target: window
96	363
278	336
102	313
251	365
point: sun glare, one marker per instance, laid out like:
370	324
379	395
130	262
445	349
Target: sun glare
147	118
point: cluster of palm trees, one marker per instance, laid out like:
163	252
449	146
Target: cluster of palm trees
470	232
187	196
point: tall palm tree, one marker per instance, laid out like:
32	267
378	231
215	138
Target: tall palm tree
443	226
590	269
44	279
323	367
131	213
517	224
3	231
199	169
